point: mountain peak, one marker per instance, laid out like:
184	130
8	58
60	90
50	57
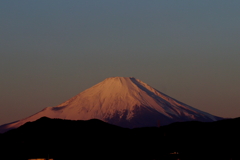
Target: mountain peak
119	79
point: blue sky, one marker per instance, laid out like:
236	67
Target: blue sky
52	50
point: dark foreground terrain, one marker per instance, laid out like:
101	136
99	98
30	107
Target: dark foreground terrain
94	139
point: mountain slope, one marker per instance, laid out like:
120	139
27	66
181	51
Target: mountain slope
123	101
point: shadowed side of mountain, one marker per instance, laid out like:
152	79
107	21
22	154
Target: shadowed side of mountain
143	117
5	127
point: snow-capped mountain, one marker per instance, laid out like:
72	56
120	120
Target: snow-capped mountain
123	101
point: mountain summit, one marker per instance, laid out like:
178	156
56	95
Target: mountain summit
123	101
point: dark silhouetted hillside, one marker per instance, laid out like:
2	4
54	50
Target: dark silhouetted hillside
95	139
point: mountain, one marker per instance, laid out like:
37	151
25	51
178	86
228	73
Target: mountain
122	101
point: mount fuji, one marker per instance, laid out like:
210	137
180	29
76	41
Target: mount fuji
123	101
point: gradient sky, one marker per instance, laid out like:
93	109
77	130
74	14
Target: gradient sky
52	50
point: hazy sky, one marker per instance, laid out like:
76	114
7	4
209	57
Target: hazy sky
52	50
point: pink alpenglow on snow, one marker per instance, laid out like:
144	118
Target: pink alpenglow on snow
122	101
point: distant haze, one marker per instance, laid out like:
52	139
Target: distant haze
52	50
